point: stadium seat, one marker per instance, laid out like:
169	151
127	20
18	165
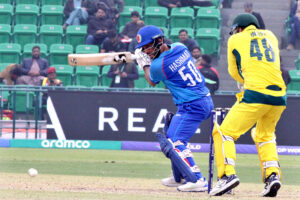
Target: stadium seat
125	16
216	3
160	85
58	54
5	1
24	33
141	82
24	100
5	33
165	30
51	34
10	53
151	3
26	2
64	73
209	40
87	76
52	14
121	29
182	17
26	14
175	32
132	2
157	16
208	18
295	80
105	80
297	62
87	49
27	52
76	35
6	13
53	2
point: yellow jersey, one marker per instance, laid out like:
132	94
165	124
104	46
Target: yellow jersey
253	59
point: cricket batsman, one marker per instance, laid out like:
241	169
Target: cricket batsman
253	60
174	66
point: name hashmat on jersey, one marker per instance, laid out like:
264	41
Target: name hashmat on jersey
179	61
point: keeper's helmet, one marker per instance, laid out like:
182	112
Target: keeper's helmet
244	20
148	34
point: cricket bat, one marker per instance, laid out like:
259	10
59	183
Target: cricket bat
100	58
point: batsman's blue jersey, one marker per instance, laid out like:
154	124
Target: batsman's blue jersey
177	70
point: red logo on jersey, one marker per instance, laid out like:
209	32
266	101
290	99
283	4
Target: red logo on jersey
139	38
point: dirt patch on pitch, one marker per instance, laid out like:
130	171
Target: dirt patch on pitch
137	188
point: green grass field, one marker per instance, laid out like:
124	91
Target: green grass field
101	174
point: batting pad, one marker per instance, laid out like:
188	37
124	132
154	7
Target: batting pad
225	160
176	172
176	158
268	157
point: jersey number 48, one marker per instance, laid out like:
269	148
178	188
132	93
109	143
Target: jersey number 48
256	52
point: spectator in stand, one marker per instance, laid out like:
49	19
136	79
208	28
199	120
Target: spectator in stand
188	42
168	41
183	3
124	74
226	3
112	43
8	75
132	45
294	24
285	73
33	69
131	28
210	74
75	13
248	6
51	79
196	54
92	6
115	8
98	27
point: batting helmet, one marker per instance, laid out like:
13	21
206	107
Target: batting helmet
148	34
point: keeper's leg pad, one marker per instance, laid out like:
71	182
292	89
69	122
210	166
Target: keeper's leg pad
225	153
177	158
268	157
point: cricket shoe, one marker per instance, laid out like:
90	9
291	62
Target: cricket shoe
272	186
170	182
225	184
200	186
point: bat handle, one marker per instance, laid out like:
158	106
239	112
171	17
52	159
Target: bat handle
133	57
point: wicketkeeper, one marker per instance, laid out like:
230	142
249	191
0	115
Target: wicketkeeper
253	60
